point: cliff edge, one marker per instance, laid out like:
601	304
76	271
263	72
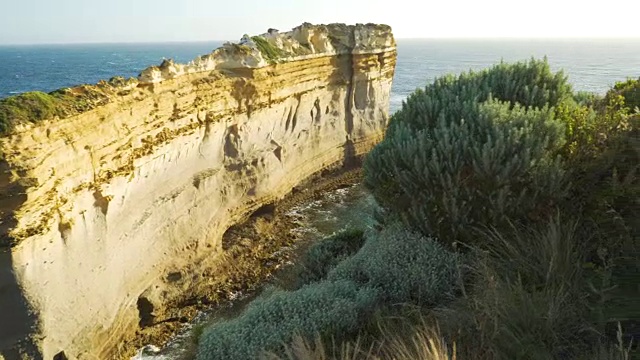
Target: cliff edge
114	197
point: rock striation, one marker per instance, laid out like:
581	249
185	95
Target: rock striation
102	205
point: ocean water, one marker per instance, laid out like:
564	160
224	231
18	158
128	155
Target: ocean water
592	65
50	67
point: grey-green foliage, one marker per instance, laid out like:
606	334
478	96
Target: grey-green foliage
267	324
531	84
473	151
586	98
404	266
327	253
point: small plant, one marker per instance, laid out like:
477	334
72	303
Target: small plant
403	266
35	106
270	52
630	91
324	255
270	323
28	107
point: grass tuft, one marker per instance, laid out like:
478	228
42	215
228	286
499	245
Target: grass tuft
270	52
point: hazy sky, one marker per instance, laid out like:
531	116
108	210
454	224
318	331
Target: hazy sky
68	21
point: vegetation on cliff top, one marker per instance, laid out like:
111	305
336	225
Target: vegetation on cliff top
270	52
35	106
507	230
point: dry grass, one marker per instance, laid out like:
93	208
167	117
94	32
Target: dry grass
301	349
424	342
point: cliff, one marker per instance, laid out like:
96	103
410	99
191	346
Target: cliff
116	192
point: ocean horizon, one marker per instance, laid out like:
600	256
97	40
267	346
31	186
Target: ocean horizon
592	64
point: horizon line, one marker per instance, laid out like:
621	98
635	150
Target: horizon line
494	38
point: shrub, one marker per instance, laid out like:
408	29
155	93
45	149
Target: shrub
449	178
630	91
586	98
403	266
267	325
28	107
35	106
325	254
473	150
530	84
270	52
528	297
603	168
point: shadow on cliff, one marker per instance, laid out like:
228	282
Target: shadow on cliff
347	68
17	322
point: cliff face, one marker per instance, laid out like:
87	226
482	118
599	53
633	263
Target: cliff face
101	208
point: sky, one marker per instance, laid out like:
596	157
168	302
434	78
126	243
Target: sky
92	21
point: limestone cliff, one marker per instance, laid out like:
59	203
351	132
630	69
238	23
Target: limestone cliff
100	202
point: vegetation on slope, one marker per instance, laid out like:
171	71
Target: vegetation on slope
270	52
508	230
35	106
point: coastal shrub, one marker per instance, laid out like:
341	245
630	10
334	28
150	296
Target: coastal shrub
325	254
586	98
35	106
603	166
527	298
28	107
404	266
606	192
630	91
270	52
473	150
531	84
268	324
592	125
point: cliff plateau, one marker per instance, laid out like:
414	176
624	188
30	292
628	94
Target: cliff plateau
116	199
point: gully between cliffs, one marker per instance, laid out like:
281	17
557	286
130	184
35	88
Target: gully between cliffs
329	203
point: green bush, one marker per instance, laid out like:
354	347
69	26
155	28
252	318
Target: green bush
527	298
630	91
603	166
270	52
325	254
450	178
28	107
404	266
335	308
586	98
606	193
35	106
530	84
473	150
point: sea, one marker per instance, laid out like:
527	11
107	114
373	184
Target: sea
592	65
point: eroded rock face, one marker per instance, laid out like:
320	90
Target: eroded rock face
101	209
